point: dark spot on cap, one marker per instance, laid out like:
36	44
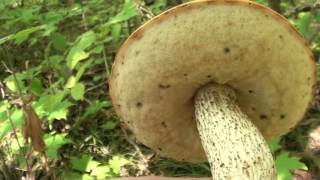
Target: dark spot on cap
253	108
185	74
209	76
163	124
139	104
280	36
250	91
222	164
160	149
137	53
164	86
282	116
226	50
263	116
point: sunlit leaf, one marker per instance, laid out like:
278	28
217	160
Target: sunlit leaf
286	163
71	82
101	172
53	106
17	120
274	144
11	83
77	52
117	162
78	91
75	56
84	164
86	40
128	11
60	111
116	32
54	142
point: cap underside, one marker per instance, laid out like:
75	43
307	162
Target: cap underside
245	45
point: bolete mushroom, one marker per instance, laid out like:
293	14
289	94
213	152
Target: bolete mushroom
212	80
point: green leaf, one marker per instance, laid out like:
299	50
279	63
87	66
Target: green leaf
303	23
55	61
77	52
285	164
59	42
11	83
54	142
128	11
60	111
69	175
23	35
116	32
17	119
275	144
109	125
78	91
71	82
53	106
74	79
86	40
75	56
95	107
36	86
117	162
101	172
84	164
98	49
6	38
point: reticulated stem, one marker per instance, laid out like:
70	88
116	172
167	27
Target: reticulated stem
235	148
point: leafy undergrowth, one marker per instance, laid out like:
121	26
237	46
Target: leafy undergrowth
56	58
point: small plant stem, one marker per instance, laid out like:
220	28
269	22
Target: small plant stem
3	96
106	63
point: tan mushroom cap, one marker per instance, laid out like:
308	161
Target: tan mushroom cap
242	44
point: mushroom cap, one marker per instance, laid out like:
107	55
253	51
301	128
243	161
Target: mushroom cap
247	46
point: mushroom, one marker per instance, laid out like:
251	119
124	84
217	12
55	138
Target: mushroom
214	80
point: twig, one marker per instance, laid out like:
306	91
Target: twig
14	76
136	147
302	8
50	72
4	168
143	11
97	86
83	16
3	96
106	63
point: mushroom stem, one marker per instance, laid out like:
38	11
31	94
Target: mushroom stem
235	148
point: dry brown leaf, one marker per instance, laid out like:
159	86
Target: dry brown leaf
32	127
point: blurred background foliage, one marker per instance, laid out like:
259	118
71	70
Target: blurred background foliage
56	57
